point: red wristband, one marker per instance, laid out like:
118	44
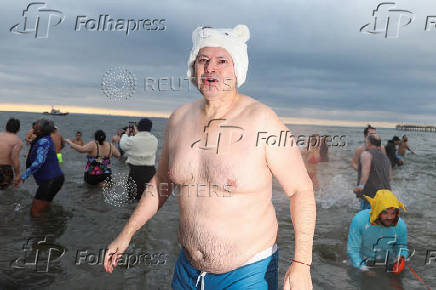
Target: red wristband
300	262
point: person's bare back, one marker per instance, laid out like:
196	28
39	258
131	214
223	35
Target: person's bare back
226	214
9	144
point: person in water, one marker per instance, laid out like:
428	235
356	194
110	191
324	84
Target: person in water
403	147
116	139
78	140
10	147
312	157
30	135
324	149
59	143
392	151
369	130
378	235
140	146
374	173
98	168
228	237
43	164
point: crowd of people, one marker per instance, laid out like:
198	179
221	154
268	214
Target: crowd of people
225	242
44	158
377	234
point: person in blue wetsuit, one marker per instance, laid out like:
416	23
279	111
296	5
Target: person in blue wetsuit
43	164
377	231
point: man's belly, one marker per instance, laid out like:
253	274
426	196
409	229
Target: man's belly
218	240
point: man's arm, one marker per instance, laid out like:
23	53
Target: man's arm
354	243
365	161
82	149
152	200
15	158
62	142
356	156
286	164
126	142
401	243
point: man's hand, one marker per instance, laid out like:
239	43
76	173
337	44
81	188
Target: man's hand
17	180
297	278
358	191
113	252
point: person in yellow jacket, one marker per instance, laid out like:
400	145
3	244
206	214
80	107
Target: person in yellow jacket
378	231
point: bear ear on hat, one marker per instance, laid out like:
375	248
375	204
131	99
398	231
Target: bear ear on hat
242	32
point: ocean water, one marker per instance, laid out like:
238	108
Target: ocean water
80	223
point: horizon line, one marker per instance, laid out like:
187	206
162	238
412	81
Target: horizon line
38	108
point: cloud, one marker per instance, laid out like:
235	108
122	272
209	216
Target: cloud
307	58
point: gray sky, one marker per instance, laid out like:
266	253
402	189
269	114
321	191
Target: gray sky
307	58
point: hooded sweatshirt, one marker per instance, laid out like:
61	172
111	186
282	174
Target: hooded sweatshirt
369	242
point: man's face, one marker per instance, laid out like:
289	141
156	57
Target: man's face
78	135
388	216
214	72
372	131
397	142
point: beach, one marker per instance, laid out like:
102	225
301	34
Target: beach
82	224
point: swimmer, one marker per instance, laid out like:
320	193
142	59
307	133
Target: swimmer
43	164
377	231
98	168
10	146
356	157
117	138
228	238
403	147
78	140
59	143
312	156
375	172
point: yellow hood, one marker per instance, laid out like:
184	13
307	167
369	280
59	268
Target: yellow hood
382	200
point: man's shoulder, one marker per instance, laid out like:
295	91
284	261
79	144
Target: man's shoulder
362	217
401	224
182	111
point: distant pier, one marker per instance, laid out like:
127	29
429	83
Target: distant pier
419	128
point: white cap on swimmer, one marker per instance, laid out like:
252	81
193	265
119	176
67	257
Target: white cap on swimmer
232	40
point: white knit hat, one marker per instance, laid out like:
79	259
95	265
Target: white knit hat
232	40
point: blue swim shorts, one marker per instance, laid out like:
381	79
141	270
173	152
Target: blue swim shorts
262	274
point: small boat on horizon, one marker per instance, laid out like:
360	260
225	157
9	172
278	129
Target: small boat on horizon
55	112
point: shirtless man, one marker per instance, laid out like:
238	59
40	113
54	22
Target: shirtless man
10	146
78	140
356	157
403	147
59	143
235	224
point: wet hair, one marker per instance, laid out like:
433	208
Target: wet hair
78	132
395	138
374	140
100	136
45	127
13	125
144	125
369	127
